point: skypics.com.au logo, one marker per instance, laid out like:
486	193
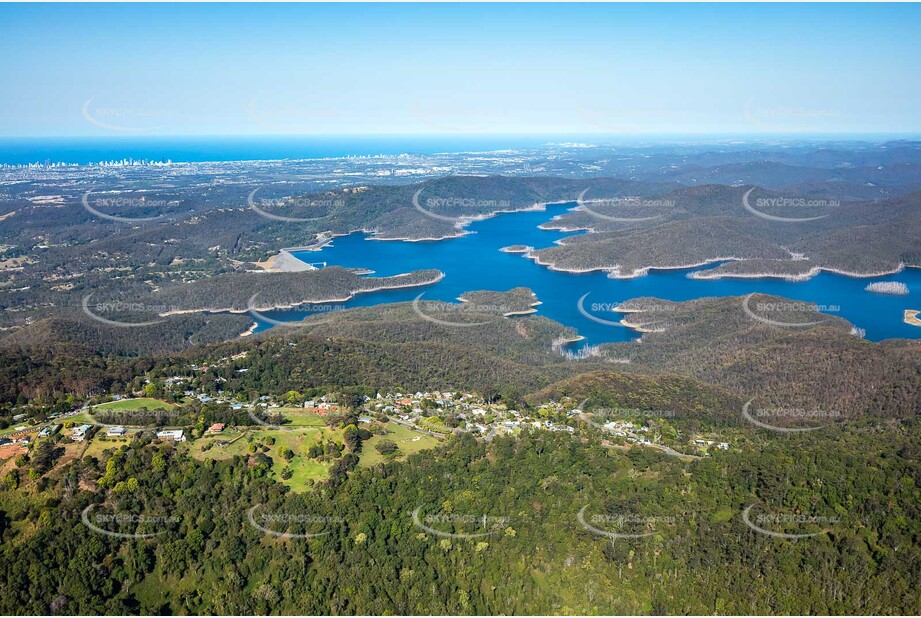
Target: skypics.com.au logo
786	119
624	308
767	524
461	525
103	523
625	413
273	523
768	418
309	309
145	418
758	207
124	119
616	209
122	204
462	309
315	208
478	207
782	309
623	526
122	310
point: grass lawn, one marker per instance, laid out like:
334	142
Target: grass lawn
97	445
77	419
298	439
12	428
408	440
304	470
130	405
299	418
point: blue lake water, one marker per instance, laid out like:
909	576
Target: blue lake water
474	262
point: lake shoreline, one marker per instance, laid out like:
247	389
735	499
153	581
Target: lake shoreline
911	317
812	272
351	295
614	272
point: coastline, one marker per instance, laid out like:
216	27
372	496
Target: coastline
351	295
812	272
517	249
460	226
640	329
614	272
460	234
511	313
524	311
567	340
461	223
911	317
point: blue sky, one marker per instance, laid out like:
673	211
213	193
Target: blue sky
238	69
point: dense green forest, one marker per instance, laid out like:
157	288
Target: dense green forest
532	556
542	522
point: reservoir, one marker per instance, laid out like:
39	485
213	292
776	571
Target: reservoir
475	262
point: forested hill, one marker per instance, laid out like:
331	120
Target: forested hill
753	227
473	346
550	502
784	352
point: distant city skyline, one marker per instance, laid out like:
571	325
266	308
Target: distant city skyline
479	69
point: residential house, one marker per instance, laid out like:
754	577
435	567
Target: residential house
173	435
81	433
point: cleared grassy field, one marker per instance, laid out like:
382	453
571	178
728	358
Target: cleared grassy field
299	418
130	405
408	440
298	439
77	419
97	445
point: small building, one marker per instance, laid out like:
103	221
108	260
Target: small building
50	430
723	445
81	433
173	435
115	432
216	428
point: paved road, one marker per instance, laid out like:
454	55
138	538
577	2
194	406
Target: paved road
673	452
415	427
